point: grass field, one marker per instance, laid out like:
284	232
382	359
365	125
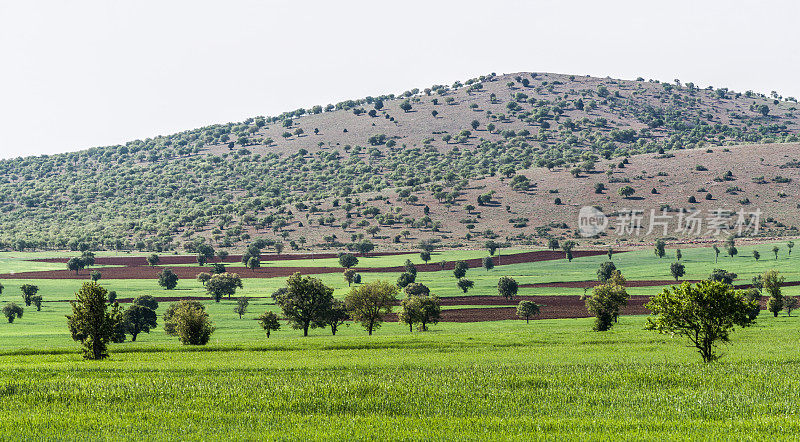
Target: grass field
506	380
550	379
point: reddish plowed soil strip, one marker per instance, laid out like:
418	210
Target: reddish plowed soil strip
140	271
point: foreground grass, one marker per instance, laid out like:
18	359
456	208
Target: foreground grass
549	379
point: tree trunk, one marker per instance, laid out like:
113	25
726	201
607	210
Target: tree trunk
133	336
305	329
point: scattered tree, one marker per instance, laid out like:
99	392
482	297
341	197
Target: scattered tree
488	263
223	284
138	319
91	322
772	281
12	311
153	260
526	310
76	264
704	313
460	269
605	271
507	287
660	248
722	276
677	269
241	306
348	260
465	284
168	279
28	292
370	303
269	322
304	301
606	301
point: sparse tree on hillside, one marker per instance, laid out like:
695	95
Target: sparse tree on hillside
789	246
716	253
626	192
756	255
775	250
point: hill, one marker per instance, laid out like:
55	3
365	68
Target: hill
397	169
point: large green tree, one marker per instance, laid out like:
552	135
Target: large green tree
370	303
91	321
703	313
304	301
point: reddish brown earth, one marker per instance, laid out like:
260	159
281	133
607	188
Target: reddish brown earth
136	268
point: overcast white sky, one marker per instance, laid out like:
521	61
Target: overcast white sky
77	74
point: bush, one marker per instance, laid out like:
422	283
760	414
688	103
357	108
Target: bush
191	324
